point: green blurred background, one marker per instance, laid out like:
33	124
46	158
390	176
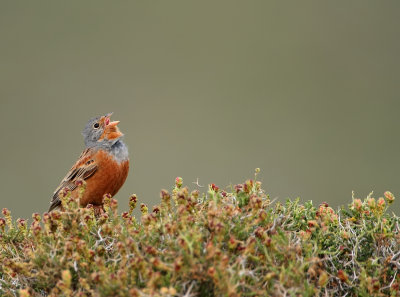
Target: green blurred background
306	90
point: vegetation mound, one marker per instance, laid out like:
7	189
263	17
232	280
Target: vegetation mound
218	243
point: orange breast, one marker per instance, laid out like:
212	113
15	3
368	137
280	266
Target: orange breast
108	179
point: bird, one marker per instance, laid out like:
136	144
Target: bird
103	165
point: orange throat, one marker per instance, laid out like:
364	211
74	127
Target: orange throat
111	133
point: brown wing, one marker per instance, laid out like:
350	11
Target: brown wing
84	168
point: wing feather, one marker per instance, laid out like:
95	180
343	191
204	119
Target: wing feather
84	168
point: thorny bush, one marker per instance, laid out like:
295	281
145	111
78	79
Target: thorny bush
219	243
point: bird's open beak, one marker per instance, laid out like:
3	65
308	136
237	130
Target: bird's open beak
111	130
107	121
114	123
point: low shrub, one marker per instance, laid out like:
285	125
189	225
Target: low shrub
218	243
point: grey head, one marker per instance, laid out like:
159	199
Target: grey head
100	132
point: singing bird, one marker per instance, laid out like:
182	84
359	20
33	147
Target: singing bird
103	165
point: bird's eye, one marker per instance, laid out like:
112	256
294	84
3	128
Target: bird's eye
96	125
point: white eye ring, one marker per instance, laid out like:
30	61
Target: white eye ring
96	125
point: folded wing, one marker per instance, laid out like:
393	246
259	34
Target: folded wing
83	169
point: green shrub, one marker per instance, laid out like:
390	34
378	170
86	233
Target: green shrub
219	243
